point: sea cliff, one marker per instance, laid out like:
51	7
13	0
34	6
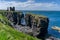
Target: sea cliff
7	32
36	25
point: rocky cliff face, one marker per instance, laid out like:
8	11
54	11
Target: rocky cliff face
38	22
36	25
14	17
44	26
9	33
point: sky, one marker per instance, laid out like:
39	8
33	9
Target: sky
31	4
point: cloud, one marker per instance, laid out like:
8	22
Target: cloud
29	5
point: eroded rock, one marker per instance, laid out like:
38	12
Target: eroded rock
35	25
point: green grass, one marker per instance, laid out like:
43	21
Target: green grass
4	20
8	33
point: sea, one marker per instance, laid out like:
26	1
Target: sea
54	20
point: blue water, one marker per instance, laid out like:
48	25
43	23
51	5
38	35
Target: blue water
54	20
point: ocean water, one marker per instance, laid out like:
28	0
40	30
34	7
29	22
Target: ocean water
54	20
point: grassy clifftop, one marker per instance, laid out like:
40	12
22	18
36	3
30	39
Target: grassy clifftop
8	33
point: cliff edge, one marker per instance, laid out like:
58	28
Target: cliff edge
35	25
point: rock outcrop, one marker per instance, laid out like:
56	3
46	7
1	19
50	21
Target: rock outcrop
44	26
36	25
14	17
38	22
